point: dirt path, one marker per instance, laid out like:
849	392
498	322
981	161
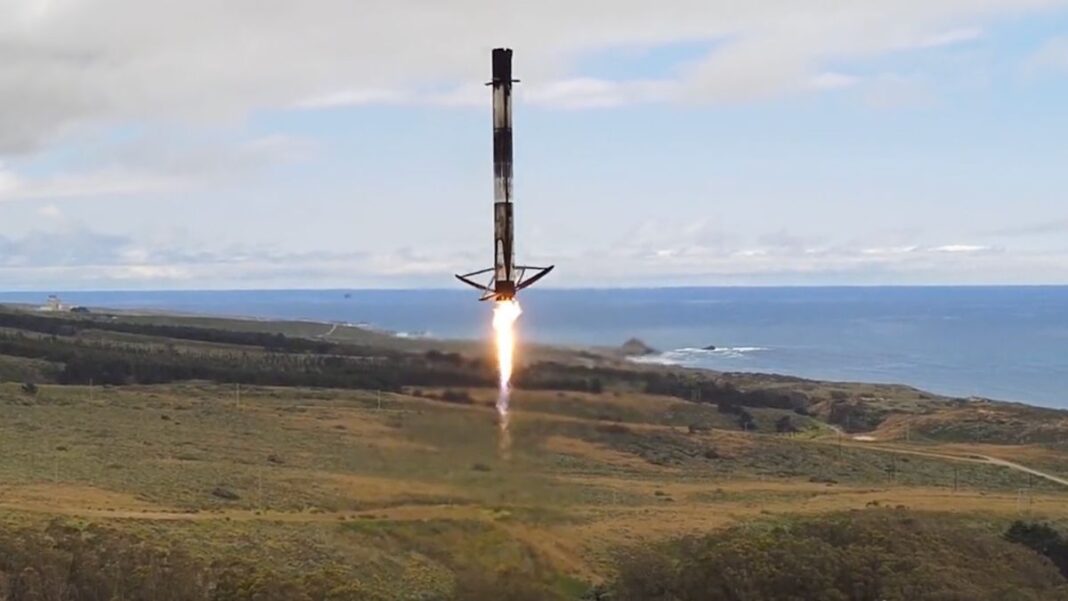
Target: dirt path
1025	469
969	458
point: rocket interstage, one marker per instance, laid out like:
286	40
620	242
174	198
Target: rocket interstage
507	278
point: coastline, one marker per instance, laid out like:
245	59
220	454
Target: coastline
375	317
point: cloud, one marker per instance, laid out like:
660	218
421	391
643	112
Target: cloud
665	253
889	251
50	212
152	164
354	98
1054	226
74	257
69	247
103	182
586	92
894	91
68	64
827	264
830	80
962	248
950	37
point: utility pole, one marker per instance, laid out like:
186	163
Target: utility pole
237	389
379	399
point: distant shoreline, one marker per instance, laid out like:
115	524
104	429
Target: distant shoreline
962	341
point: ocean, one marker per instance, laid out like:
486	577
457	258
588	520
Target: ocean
1008	343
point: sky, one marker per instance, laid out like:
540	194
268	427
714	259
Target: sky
189	144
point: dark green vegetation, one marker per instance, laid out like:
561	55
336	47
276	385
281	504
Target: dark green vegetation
1043	539
69	561
875	555
179	457
114	349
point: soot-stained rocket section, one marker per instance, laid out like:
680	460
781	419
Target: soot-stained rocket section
507	278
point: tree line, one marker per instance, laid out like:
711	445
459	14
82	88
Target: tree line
260	358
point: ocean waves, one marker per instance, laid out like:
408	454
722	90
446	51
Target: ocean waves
696	357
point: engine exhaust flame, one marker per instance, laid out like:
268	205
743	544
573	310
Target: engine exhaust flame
504	315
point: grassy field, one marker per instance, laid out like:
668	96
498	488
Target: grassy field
418	493
402	492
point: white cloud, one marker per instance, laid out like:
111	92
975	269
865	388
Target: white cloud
587	92
1057	226
9	182
69	63
889	251
962	248
151	165
354	98
950	37
830	80
102	182
50	212
271	149
73	258
894	91
466	95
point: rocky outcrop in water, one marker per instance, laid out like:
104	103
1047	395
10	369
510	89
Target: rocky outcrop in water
636	348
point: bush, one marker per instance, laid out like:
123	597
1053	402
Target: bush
94	564
1043	539
613	429
225	493
870	555
498	585
461	397
785	425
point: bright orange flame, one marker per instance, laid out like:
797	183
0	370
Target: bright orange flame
504	316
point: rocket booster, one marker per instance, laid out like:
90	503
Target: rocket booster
508	278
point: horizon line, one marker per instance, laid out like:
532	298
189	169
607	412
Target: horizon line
544	289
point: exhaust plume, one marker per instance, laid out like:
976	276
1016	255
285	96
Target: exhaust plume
505	313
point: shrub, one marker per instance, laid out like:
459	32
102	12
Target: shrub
461	397
870	555
1043	539
785	425
225	493
614	429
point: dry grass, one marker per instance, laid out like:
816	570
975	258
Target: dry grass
362	485
367	427
596	453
